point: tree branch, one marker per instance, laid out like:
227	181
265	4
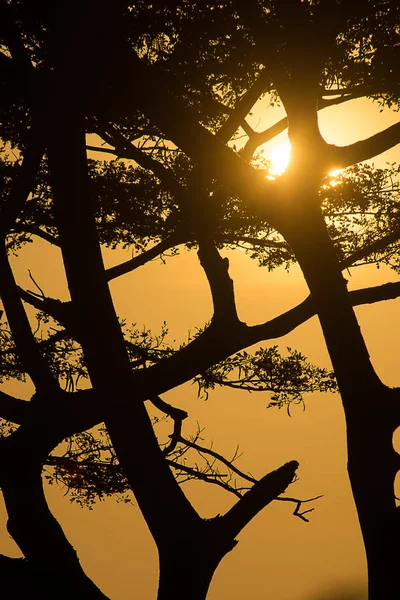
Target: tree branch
168	409
162	502
386	291
28	351
256	139
344	156
242	108
125	149
23	183
14	410
177	121
13	38
23	228
30	522
217	456
299	503
262	242
376	246
258	497
175	239
178	415
288	321
216	269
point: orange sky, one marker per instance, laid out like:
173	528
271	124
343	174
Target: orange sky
278	556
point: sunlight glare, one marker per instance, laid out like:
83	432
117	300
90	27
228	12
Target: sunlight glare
333	174
280	157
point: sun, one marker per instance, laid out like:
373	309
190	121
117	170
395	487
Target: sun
279	157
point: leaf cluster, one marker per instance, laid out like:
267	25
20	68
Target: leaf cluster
362	208
284	378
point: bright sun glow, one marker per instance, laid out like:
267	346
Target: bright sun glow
333	174
279	157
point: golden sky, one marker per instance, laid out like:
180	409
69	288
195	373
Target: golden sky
278	556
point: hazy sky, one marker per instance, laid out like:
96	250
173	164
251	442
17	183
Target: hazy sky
279	556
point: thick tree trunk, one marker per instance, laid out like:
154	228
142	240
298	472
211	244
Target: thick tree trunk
370	407
189	577
51	563
188	563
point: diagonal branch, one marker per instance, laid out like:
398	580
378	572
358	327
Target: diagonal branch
81	410
206	149
125	149
344	156
29	353
256	139
376	246
243	107
13	38
162	502
217	456
174	239
288	321
213	345
264	491
44	235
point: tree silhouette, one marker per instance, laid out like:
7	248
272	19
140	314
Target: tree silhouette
168	86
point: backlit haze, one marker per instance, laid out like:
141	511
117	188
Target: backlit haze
280	156
279	556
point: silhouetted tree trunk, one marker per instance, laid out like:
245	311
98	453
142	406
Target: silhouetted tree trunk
81	72
371	408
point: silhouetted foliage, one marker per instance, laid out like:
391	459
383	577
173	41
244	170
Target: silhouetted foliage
165	91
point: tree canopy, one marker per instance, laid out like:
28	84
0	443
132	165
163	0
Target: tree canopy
165	91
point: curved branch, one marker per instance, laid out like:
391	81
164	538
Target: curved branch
221	285
23	228
73	412
168	409
30	521
177	414
288	321
175	239
344	156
